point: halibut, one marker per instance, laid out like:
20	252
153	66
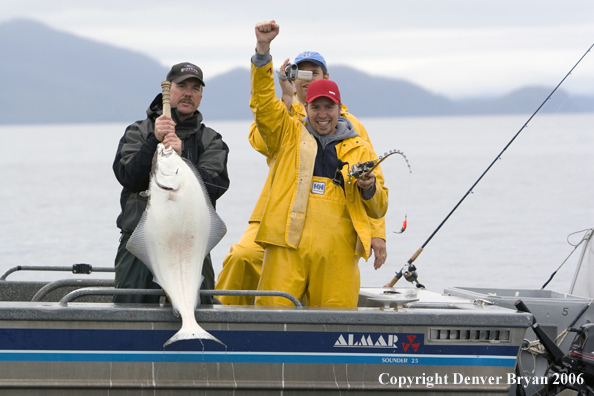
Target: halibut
177	230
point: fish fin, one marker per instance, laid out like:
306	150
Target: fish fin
191	333
157	282
137	244
218	229
199	288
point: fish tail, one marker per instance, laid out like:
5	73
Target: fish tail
190	333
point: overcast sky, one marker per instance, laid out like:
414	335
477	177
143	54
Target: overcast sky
457	48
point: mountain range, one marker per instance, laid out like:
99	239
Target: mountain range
50	76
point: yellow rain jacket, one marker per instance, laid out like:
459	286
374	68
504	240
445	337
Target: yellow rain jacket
293	150
297	111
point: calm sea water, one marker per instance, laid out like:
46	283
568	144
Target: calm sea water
59	197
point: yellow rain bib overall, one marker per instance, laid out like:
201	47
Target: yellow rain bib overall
242	267
324	269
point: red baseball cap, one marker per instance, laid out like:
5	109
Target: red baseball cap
325	88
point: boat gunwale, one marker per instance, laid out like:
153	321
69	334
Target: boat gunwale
479	316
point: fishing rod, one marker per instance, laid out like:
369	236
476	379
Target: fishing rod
409	270
584	239
363	169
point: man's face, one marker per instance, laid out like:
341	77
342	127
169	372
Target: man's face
317	74
323	115
186	96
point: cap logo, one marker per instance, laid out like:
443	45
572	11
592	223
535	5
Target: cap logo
306	54
188	68
333	93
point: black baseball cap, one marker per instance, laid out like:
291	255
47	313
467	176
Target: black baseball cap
183	71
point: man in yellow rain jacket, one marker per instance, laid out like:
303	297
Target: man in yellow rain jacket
243	264
315	225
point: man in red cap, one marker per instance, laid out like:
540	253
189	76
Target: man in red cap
315	226
243	264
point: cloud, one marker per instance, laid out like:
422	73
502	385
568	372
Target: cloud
458	47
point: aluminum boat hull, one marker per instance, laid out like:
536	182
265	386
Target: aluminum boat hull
437	345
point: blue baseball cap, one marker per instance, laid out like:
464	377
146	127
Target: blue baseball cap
313	57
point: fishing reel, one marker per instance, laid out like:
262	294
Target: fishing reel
409	271
359	171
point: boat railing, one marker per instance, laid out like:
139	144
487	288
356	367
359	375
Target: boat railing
253	293
105	287
75	268
35	289
73	295
45	290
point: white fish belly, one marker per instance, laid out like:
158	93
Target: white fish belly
177	231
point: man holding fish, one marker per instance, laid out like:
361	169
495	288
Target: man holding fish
316	223
184	132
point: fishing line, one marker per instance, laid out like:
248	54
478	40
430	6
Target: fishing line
563	104
409	270
215	185
584	238
404	223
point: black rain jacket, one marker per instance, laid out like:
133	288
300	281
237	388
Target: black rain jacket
203	146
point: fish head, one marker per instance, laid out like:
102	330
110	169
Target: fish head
167	168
